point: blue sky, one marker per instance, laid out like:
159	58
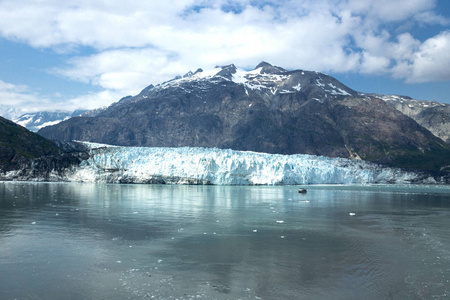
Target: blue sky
86	54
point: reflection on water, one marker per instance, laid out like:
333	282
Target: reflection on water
97	241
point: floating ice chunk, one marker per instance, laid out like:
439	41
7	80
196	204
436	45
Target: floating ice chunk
352	214
32	223
255	230
280	221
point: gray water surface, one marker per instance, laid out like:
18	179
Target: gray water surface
98	241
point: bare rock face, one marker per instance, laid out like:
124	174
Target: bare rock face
432	115
268	109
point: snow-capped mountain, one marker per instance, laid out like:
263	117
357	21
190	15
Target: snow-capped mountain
268	109
9	112
267	80
38	120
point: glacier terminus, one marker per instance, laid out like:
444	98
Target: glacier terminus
190	165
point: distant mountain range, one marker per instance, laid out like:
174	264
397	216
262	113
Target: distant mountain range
271	110
36	120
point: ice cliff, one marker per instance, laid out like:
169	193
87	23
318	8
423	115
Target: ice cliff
226	167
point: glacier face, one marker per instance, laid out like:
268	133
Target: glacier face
225	167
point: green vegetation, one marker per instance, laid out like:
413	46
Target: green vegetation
435	160
17	142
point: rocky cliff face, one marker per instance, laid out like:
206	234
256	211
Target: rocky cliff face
267	110
432	115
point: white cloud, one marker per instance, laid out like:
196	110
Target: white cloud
23	100
432	61
146	42
19	96
92	100
372	64
390	10
429	17
125	70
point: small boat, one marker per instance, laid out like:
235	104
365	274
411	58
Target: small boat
302	191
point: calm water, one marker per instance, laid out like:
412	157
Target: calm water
97	241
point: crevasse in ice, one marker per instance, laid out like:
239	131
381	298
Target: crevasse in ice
226	167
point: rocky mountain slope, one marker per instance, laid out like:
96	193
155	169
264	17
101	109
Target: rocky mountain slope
17	142
432	115
269	110
25	155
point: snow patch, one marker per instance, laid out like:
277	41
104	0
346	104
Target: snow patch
50	123
319	82
298	87
344	93
332	86
287	92
25	119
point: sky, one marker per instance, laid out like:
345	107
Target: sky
84	54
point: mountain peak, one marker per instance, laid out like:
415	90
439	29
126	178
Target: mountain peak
263	64
267	68
227	67
188	74
227	71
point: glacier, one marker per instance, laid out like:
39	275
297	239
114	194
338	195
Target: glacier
116	164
